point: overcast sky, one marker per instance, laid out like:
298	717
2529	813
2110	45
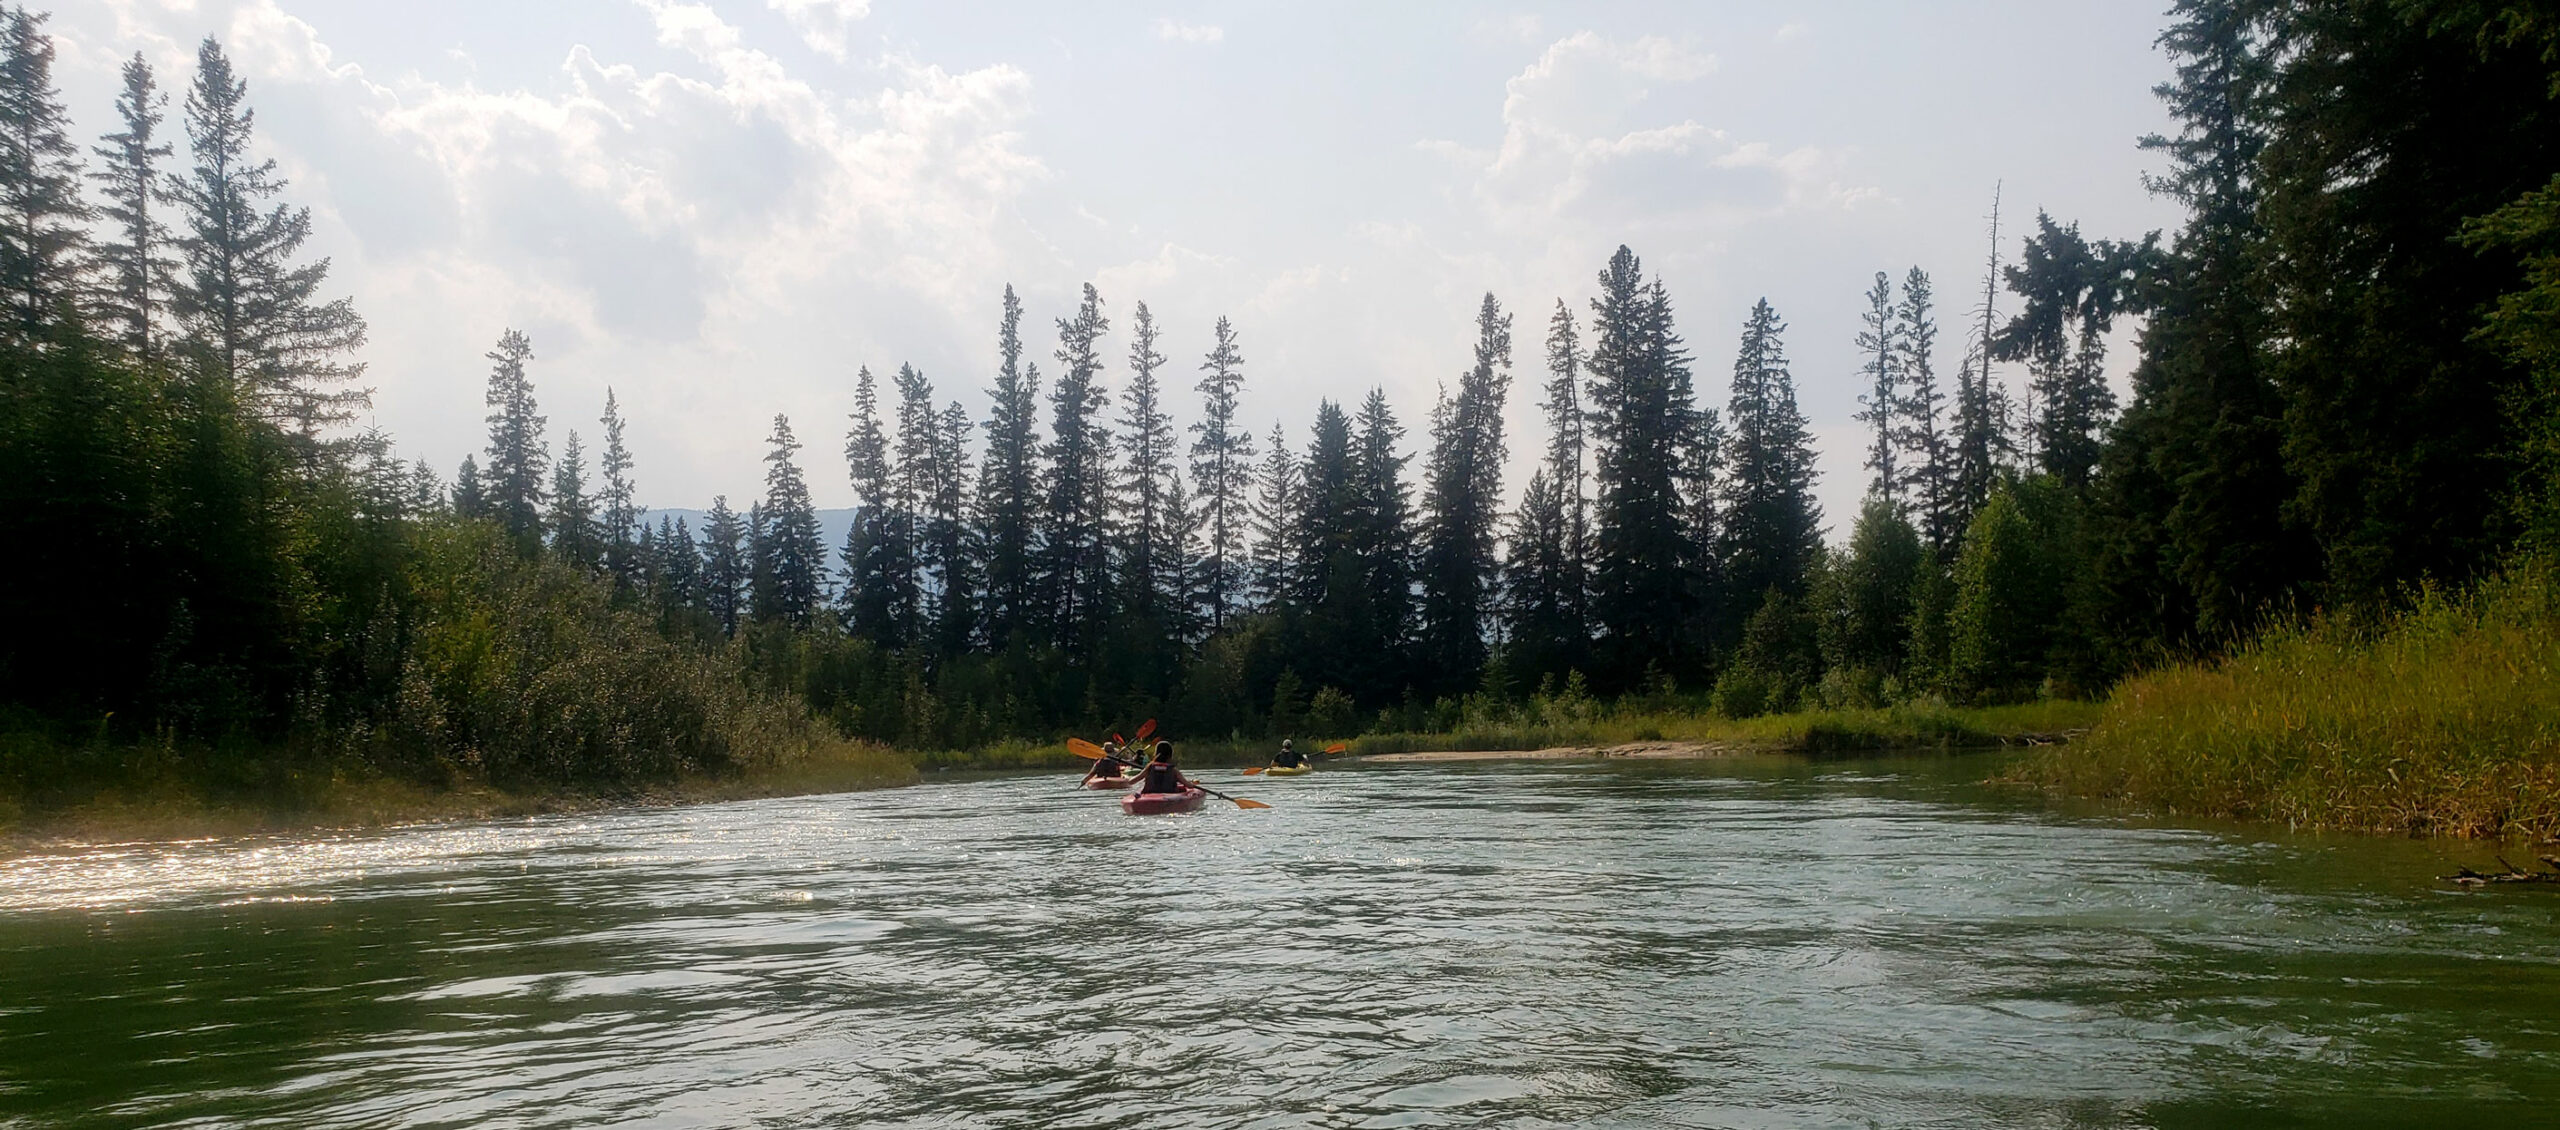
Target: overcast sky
720	210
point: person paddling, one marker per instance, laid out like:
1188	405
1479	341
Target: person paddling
1288	757
1160	775
1111	766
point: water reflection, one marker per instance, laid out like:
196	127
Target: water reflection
1726	944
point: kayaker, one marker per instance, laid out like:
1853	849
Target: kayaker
1112	764
1288	757
1160	775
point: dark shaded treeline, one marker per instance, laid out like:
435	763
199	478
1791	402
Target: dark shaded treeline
2344	388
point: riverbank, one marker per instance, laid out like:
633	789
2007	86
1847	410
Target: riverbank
162	798
2442	721
1608	732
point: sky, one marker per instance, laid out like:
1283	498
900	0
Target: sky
721	210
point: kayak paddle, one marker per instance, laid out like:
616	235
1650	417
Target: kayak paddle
1238	801
1145	730
1084	749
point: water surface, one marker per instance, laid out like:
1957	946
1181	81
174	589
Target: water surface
1725	944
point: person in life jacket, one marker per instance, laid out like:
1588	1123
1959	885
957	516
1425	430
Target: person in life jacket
1113	763
1288	757
1160	775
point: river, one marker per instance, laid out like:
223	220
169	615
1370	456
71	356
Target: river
1746	943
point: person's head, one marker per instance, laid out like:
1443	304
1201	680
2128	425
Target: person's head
1284	745
1164	752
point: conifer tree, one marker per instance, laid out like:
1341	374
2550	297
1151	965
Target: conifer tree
1926	455
1279	512
914	483
511	482
1545	636
135	254
2073	291
251	313
675	568
948	539
1772	527
618	516
1382	536
1642	408
789	551
43	217
1075	539
574	535
1150	560
1463	508
468	501
877	599
1009	483
1222	477
724	565
1880	406
1567	466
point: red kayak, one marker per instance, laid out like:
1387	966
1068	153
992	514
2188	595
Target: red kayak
1120	782
1154	804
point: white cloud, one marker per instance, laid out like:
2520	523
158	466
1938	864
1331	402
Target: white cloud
825	25
1173	31
1792	31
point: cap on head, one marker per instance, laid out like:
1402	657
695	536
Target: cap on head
1284	744
1164	749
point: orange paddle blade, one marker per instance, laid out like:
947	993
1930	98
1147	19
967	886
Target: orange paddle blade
1243	803
1337	747
1084	749
1250	770
1148	728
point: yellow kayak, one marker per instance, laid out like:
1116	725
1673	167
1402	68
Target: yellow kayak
1288	770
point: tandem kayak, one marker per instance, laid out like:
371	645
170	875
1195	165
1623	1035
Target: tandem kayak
1156	804
1288	770
1120	782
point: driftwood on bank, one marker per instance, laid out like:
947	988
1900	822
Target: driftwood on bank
2513	874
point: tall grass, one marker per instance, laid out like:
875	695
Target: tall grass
2445	720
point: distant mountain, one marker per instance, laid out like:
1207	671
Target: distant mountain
832	524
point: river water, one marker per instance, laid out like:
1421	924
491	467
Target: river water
1748	943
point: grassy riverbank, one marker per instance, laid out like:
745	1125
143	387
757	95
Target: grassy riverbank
2443	721
121	792
1810	732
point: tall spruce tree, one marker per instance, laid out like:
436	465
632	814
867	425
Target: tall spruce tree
1919	433
1009	483
790	553
251	313
949	542
1279	513
879	594
43	218
575	537
1462	509
724	565
135	253
1076	533
1382	541
1544	635
1879	341
2398	124
1150	555
1772	526
914	477
1222	477
1567	466
1642	408
618	516
512	489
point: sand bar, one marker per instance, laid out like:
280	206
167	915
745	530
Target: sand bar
1630	750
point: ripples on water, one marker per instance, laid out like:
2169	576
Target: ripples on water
1722	944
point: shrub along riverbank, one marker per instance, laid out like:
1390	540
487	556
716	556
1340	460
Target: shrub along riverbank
2443	720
